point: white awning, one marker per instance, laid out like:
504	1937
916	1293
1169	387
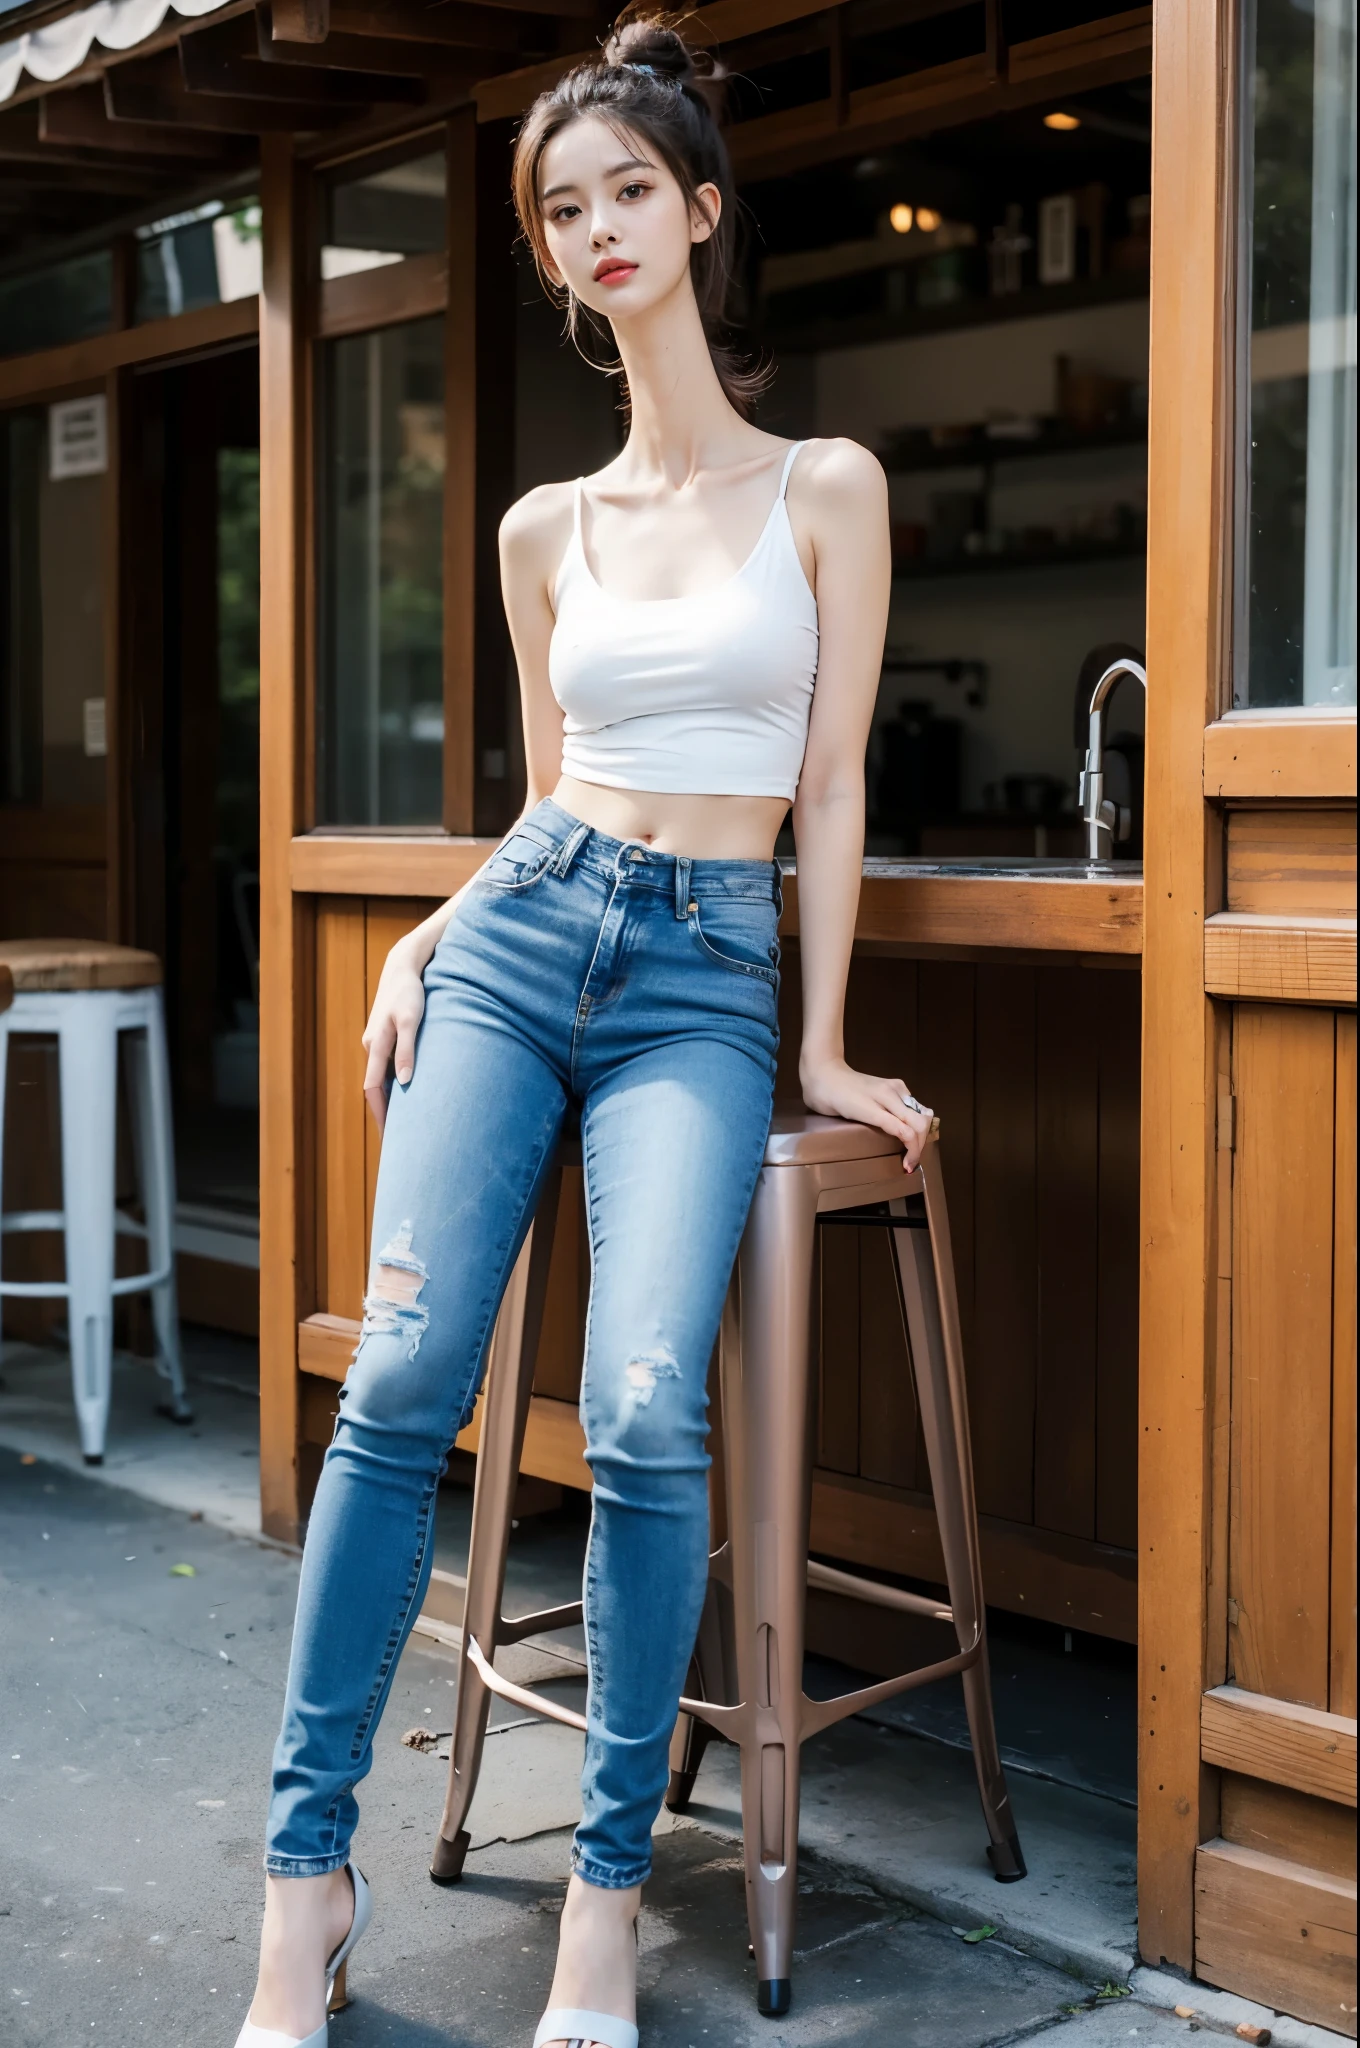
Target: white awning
54	52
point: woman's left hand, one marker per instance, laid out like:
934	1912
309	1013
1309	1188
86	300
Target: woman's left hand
835	1089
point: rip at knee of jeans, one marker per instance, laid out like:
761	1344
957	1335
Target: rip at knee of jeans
392	1306
643	1371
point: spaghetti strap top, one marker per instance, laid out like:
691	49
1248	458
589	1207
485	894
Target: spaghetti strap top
707	694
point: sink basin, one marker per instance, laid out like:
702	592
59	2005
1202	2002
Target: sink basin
1005	868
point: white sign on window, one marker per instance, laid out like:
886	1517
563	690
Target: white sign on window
95	727
78	437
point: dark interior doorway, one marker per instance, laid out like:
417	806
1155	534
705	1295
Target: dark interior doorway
193	752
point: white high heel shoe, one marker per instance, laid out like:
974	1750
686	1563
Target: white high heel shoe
576	2028
252	2036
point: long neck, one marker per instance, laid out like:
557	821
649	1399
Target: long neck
680	413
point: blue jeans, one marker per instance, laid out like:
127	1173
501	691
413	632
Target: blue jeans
641	987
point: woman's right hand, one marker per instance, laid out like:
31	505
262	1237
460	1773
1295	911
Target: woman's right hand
390	1036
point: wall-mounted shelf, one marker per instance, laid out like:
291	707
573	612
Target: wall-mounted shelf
922	570
816	337
982	451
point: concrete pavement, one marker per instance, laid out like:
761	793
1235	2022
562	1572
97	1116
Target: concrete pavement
140	1703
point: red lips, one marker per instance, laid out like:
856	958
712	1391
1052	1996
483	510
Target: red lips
613	270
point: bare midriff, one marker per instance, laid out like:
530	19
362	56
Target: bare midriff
702	827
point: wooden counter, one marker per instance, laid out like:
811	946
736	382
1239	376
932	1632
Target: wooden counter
981	985
914	906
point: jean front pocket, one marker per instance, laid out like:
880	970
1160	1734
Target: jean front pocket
523	860
739	933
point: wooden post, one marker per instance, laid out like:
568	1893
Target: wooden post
1188	442
284	1260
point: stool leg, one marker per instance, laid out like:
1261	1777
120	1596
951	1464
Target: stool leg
88	1039
767	1397
705	1682
930	1308
153	1129
710	1668
505	1410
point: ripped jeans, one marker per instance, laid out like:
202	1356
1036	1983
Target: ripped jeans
640	987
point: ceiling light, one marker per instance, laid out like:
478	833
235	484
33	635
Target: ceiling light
901	217
927	220
1064	123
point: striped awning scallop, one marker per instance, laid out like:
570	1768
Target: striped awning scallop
48	54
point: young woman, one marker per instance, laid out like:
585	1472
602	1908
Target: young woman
670	616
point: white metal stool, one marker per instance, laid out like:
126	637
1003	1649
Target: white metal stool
83	993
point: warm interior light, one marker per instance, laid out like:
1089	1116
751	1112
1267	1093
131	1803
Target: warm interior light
927	220
1064	123
901	217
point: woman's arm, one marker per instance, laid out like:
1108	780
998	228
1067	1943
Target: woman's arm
845	495
532	537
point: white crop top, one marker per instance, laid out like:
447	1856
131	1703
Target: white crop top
709	693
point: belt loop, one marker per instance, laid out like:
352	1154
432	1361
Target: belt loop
569	849
682	868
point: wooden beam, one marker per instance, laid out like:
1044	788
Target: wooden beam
1280	1742
1092	54
1277	1932
1053	57
1298	754
53	370
394	292
1269	957
1189	431
78	116
223	60
283	1243
152	89
418	864
430	61
453	23
923	102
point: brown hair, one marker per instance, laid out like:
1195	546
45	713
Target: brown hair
649	81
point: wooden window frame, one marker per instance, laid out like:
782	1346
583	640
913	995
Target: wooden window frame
414	289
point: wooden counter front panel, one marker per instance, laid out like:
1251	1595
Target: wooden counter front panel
1034	1072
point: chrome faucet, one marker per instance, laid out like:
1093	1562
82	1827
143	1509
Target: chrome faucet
1106	825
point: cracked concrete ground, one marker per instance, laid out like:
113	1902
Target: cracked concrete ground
140	1706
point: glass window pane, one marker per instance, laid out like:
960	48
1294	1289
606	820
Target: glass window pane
204	257
1296	592
67	302
383	727
385	215
52	740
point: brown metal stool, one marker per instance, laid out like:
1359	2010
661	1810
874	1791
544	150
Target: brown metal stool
749	1662
749	1669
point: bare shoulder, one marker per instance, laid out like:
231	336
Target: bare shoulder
536	528
840	476
838	486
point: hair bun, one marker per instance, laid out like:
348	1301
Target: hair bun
652	42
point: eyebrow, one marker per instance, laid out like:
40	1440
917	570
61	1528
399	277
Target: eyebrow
630	163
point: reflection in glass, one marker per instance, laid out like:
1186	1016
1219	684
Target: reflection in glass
206	256
66	302
383	728
52	738
385	215
1296	599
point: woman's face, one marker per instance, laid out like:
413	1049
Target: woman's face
617	227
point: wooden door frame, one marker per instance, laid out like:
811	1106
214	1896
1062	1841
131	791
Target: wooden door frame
1200	756
1188	535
